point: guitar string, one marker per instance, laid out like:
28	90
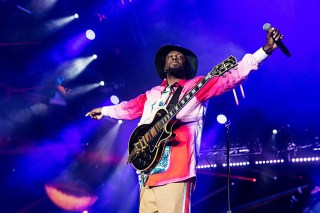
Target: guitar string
135	150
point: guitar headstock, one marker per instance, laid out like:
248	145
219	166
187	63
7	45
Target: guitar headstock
224	66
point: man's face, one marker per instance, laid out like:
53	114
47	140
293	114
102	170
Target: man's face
175	64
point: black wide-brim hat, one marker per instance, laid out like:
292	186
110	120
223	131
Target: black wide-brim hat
191	60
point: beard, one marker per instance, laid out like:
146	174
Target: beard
178	73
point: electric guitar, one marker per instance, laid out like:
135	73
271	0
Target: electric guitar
147	141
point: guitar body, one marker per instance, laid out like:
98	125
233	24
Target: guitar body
151	149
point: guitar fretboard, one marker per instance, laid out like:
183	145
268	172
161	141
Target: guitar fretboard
218	70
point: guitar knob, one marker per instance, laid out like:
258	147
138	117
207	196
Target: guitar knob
139	160
143	163
149	157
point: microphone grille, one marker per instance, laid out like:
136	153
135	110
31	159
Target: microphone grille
266	27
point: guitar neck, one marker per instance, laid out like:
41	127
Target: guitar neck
174	110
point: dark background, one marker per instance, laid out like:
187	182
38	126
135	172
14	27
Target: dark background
45	138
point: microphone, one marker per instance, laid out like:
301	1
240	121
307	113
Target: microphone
283	48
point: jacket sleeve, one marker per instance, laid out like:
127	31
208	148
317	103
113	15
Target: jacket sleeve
218	85
127	110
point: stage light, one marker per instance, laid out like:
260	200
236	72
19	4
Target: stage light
90	34
222	119
94	56
56	24
101	83
120	121
207	166
82	89
277	161
235	96
73	68
238	164
274	131
305	159
114	99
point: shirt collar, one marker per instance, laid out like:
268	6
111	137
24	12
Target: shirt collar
181	82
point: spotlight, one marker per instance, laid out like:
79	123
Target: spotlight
101	83
90	34
119	121
114	99
76	15
274	131
222	119
94	56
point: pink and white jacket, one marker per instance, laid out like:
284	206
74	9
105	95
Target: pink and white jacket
178	162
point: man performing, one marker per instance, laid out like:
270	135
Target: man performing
167	183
